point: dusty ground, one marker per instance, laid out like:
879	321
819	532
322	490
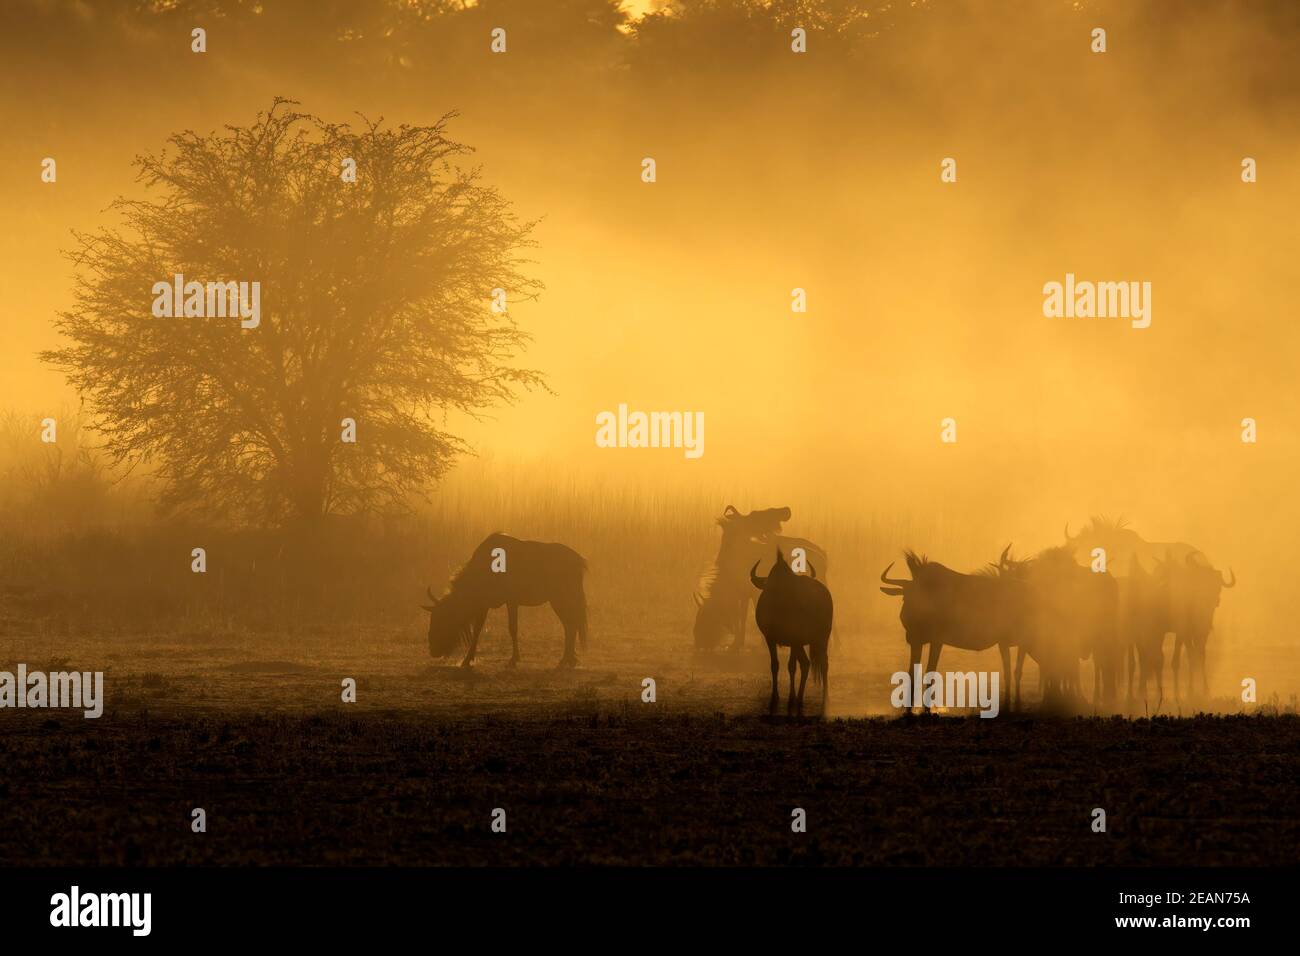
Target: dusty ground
587	773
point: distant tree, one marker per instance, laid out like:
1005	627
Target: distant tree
376	301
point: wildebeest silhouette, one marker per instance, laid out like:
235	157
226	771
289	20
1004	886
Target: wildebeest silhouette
724	593
1194	589
527	574
1122	544
1175	582
795	610
759	523
1073	615
1145	620
971	611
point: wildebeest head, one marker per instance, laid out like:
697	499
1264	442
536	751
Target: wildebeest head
1120	543
1059	562
924	572
1102	532
780	571
1194	588
1006	564
448	625
896	585
757	523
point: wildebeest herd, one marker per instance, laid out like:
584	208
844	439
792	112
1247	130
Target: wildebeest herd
1104	595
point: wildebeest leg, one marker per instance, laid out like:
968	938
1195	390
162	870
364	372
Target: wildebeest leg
1005	650
737	627
776	668
803	675
473	641
932	664
1158	661
737	624
791	664
1131	666
1200	653
914	659
1195	658
569	618
1178	654
570	658
1142	684
513	611
1020	669
826	675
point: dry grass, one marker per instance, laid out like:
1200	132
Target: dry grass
84	558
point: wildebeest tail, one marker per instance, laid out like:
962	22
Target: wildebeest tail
821	664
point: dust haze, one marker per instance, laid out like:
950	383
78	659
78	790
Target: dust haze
818	172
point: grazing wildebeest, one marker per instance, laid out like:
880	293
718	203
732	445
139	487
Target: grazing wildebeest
794	610
971	611
724	593
516	573
1194	589
1074	615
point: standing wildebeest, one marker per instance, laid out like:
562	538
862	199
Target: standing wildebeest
1122	544
1186	583
792	611
1194	590
509	571
724	594
971	611
1073	615
1146	620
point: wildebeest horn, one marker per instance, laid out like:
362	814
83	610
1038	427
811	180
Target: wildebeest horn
1067	531
1002	561
755	579
432	597
895	581
1234	578
699	601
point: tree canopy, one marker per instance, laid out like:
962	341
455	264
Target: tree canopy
377	306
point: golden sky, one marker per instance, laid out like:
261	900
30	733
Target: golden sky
924	297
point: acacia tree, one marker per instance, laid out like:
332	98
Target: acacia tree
376	299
